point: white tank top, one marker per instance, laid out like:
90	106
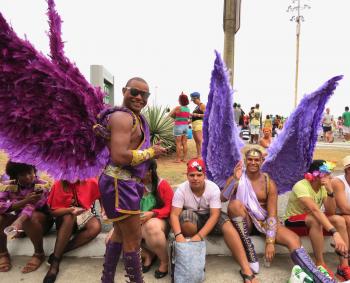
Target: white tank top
347	189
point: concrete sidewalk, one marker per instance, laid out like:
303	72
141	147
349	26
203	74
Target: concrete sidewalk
219	269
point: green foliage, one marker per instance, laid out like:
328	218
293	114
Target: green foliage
161	125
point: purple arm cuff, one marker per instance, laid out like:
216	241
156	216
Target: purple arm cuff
271	227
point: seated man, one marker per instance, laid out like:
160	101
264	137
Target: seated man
196	212
253	210
341	187
304	210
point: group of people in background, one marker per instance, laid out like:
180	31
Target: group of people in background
339	127
185	120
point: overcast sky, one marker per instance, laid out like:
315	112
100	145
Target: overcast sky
171	44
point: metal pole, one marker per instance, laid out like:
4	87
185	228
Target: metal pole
297	58
229	36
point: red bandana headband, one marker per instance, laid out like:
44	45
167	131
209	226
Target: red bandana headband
196	165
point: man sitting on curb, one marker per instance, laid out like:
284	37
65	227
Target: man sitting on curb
304	210
341	187
253	210
196	212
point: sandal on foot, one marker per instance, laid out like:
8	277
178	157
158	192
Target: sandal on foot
32	266
246	277
146	268
160	274
5	262
51	277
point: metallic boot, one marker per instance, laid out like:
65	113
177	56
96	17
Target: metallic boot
133	266
241	226
301	258
112	255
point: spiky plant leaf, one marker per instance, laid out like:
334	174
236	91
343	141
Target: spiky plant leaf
161	125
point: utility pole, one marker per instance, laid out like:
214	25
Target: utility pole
296	8
231	23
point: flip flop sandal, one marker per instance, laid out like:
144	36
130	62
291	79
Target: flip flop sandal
31	266
246	277
5	266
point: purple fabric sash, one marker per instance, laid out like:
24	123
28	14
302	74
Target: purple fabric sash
246	195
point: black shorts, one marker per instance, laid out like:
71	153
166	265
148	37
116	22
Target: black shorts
327	129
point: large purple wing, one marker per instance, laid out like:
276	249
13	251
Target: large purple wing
221	142
47	113
290	155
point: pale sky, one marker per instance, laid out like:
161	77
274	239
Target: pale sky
171	45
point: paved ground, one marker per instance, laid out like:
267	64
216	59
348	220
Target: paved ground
219	269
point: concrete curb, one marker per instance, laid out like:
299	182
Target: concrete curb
96	248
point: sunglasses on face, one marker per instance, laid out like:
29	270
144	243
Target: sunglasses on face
135	92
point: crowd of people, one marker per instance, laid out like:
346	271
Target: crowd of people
144	208
336	128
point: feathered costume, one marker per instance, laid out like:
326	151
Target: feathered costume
289	156
49	116
47	107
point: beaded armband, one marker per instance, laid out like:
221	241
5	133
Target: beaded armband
271	227
139	156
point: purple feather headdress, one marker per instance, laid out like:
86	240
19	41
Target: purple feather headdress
221	142
47	108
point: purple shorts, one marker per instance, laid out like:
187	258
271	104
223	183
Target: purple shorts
120	196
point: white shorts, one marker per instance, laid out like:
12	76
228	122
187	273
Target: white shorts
346	130
254	129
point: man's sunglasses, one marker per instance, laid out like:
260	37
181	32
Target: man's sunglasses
135	92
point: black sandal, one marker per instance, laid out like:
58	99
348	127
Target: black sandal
246	277
51	277
146	268
159	274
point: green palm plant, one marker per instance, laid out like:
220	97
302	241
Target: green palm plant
161	125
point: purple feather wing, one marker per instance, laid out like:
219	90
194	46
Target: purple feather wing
46	112
221	142
290	155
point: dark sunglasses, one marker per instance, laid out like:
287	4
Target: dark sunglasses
135	92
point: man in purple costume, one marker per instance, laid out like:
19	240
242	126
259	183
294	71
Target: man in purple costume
253	210
128	140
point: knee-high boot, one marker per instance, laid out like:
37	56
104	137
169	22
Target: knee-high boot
133	266
241	226
301	258
112	255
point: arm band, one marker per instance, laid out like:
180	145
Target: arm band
271	227
139	156
177	234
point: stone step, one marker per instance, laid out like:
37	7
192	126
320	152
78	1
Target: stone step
96	248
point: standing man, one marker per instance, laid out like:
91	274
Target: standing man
253	210
255	124
346	124
327	123
196	212
127	135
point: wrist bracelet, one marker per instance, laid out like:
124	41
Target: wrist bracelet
332	231
330	194
177	234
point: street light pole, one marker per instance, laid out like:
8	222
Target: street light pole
231	23
297	58
298	18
